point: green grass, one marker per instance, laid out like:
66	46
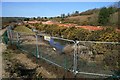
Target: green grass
23	29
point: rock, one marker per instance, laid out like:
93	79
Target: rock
14	75
68	49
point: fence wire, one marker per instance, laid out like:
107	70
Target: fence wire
58	51
80	57
0	39
98	58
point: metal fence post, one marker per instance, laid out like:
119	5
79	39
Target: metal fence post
37	52
17	40
65	59
10	34
0	39
74	64
75	57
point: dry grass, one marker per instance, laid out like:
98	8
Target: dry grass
23	29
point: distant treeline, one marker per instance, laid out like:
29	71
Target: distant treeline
106	16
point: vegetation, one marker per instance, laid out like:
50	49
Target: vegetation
8	20
104	15
23	29
109	34
110	52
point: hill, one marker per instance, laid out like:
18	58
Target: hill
23	29
91	17
8	20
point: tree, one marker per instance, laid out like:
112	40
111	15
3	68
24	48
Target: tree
62	15
34	18
45	17
76	12
112	10
68	15
26	19
38	18
103	17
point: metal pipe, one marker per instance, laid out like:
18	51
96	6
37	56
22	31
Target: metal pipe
101	42
63	39
96	74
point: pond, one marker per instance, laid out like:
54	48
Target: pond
56	44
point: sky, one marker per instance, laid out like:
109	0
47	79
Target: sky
47	9
59	0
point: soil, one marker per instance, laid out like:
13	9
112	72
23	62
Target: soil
43	69
13	58
2	49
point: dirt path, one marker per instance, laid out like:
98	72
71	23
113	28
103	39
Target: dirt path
23	59
2	48
2	31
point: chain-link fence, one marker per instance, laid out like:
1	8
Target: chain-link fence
56	50
80	57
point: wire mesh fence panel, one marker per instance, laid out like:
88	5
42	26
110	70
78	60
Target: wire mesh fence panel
56	51
27	42
98	58
13	35
81	57
0	39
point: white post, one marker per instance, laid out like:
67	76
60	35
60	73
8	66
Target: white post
75	52
75	57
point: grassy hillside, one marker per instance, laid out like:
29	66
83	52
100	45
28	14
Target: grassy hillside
8	20
83	19
90	17
114	18
23	29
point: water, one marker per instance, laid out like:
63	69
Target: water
57	45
